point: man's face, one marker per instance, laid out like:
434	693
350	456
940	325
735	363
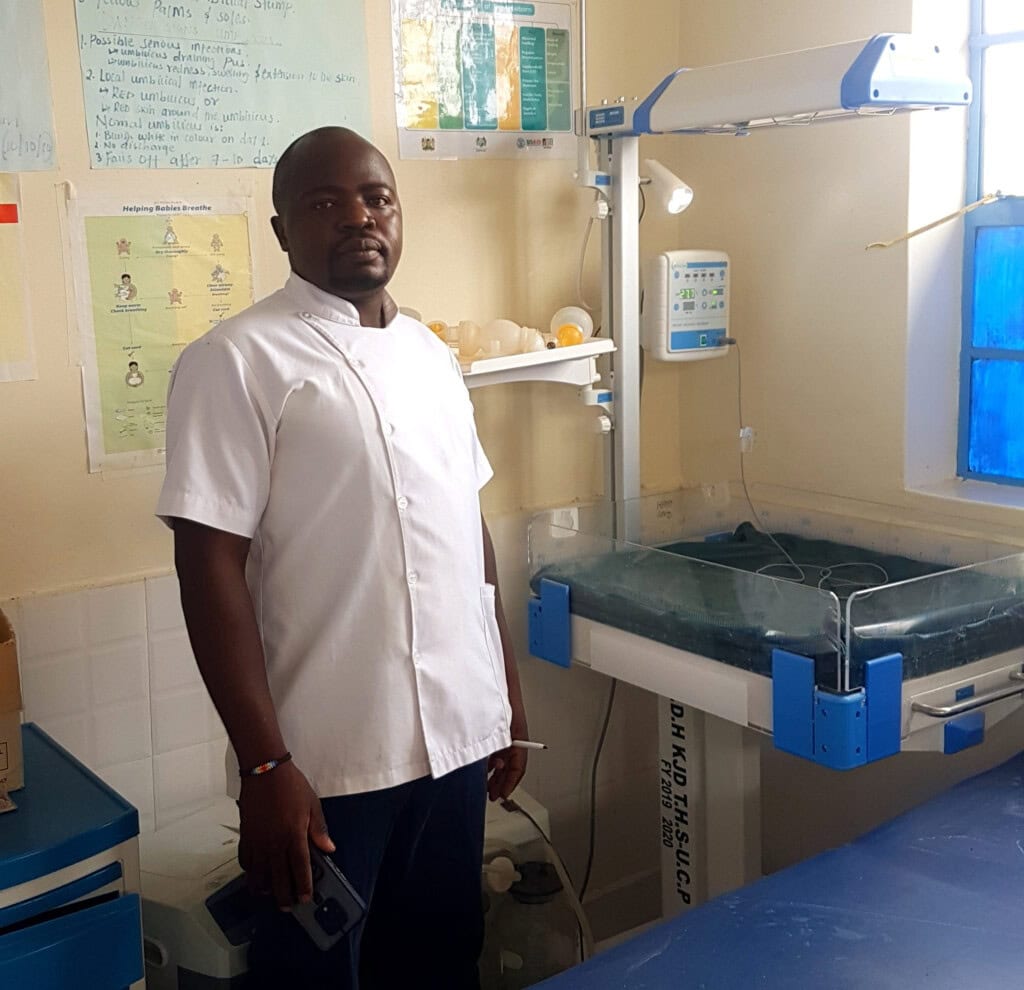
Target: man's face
341	222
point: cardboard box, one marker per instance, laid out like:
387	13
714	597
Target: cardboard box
12	771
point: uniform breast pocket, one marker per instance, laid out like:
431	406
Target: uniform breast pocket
494	651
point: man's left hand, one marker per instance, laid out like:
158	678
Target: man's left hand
507	767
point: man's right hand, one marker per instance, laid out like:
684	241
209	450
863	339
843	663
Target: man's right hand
280	815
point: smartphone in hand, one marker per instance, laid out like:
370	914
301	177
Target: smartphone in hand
336	907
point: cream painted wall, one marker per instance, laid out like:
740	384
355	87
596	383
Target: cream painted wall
483	239
492	238
821	322
823	326
849	356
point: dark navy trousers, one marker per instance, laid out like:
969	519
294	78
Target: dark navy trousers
414	852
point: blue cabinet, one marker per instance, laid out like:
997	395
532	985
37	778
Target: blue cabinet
69	878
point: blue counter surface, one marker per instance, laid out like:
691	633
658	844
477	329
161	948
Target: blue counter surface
932	900
65	814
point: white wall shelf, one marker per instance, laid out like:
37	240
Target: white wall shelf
575	365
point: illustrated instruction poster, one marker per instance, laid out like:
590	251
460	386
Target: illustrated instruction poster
17	363
483	78
217	83
26	114
150	279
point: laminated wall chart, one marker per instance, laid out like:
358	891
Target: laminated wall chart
151	278
26	116
217	83
17	362
483	78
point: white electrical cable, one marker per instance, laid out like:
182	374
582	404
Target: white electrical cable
579	270
826	571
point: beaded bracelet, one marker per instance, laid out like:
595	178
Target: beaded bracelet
263	768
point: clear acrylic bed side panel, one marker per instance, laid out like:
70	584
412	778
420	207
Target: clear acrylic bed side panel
709	510
665	517
938	622
730	615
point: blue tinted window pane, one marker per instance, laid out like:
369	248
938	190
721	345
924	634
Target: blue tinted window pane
999	287
997	427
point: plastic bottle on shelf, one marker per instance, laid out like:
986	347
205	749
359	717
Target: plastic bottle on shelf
500	337
530	340
469	339
571	325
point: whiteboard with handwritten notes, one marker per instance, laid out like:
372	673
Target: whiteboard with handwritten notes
217	83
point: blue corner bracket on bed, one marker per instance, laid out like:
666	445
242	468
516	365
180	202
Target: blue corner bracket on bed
548	623
840	730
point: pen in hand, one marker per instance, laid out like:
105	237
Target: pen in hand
528	744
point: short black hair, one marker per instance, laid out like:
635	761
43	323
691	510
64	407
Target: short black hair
284	170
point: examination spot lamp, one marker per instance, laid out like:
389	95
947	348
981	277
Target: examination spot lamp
674	194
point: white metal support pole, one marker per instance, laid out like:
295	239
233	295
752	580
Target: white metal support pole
622	270
607	294
710	806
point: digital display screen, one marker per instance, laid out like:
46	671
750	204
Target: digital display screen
687	293
689	305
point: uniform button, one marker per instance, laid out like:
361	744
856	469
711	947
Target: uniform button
391	429
416	656
358	364
307	316
413	577
402	502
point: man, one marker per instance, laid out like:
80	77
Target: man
339	587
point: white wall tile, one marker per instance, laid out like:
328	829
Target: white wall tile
163	604
184	783
134	782
171	663
52	624
189	780
180	719
120	672
218	763
55	686
121	733
117	612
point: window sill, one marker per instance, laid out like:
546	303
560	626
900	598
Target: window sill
971	492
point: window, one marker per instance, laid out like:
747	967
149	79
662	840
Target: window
991	442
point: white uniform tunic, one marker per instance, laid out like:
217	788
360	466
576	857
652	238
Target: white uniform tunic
349	455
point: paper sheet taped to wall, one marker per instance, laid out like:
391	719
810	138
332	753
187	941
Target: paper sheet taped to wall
209	84
26	114
150	278
17	363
